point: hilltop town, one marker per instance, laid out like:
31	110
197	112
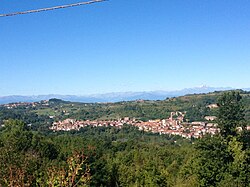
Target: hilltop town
174	125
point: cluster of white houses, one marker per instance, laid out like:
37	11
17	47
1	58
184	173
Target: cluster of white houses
26	104
174	125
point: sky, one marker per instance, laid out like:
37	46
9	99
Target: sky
124	45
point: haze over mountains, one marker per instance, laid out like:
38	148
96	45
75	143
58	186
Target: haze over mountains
116	96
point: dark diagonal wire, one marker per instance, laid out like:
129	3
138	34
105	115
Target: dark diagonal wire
52	8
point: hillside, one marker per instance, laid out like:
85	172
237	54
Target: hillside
42	114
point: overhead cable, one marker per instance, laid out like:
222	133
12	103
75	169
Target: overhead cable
52	8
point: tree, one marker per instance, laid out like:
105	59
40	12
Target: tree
17	165
24	155
211	160
222	160
230	114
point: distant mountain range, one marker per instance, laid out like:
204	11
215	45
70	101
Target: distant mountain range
116	96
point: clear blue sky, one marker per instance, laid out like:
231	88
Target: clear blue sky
124	45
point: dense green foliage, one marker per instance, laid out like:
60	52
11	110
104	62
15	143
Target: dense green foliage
231	114
223	160
112	157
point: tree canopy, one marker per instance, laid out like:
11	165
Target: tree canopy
231	114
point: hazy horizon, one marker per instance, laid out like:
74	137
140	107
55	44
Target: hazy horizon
199	88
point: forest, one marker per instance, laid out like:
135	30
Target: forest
31	155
